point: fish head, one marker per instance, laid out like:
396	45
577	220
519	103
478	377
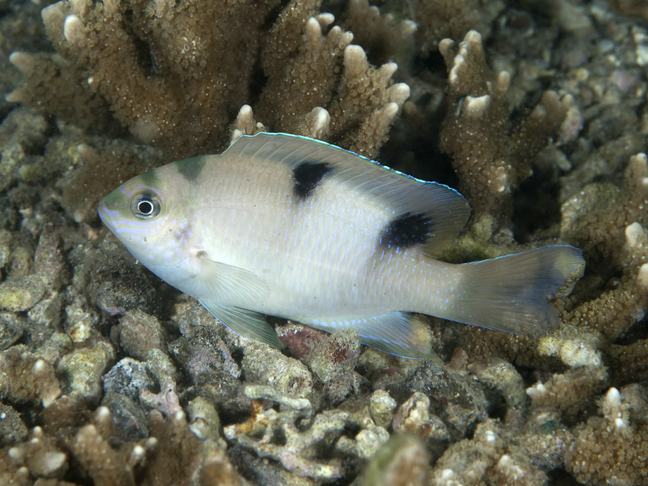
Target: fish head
146	215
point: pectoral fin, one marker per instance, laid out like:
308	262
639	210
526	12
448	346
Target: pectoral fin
243	322
225	284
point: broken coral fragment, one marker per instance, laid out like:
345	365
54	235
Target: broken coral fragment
403	460
259	432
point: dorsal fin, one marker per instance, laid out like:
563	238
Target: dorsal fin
443	209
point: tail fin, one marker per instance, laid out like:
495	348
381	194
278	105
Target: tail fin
510	293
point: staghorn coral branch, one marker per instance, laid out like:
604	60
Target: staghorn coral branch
490	162
176	73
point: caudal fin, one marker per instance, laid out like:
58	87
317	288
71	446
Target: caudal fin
511	293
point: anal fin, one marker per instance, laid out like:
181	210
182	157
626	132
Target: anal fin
243	322
398	333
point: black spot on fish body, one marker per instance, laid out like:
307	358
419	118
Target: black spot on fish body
406	231
307	176
191	168
150	178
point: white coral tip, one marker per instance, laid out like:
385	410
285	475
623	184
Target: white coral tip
407	28
389	110
476	106
444	46
504	460
313	29
473	37
16	454
503	82
103	413
39	367
447	473
319	122
23	61
536	390
634	233
138	453
399	93
53	462
613	397
355	61
642	276
325	19
16	96
387	70
73	29
619	423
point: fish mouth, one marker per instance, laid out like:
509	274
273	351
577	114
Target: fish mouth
107	216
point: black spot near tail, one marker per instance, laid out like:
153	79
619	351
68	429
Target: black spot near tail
406	231
307	176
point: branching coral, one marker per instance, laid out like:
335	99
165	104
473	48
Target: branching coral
158	65
171	455
487	458
24	378
610	449
490	157
441	19
596	219
380	35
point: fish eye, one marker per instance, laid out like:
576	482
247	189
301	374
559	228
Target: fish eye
145	206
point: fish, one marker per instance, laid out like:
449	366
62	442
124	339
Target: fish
288	226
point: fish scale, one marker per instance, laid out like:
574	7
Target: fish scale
292	227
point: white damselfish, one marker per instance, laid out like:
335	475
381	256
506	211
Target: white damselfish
292	227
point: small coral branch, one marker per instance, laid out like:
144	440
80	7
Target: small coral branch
490	156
